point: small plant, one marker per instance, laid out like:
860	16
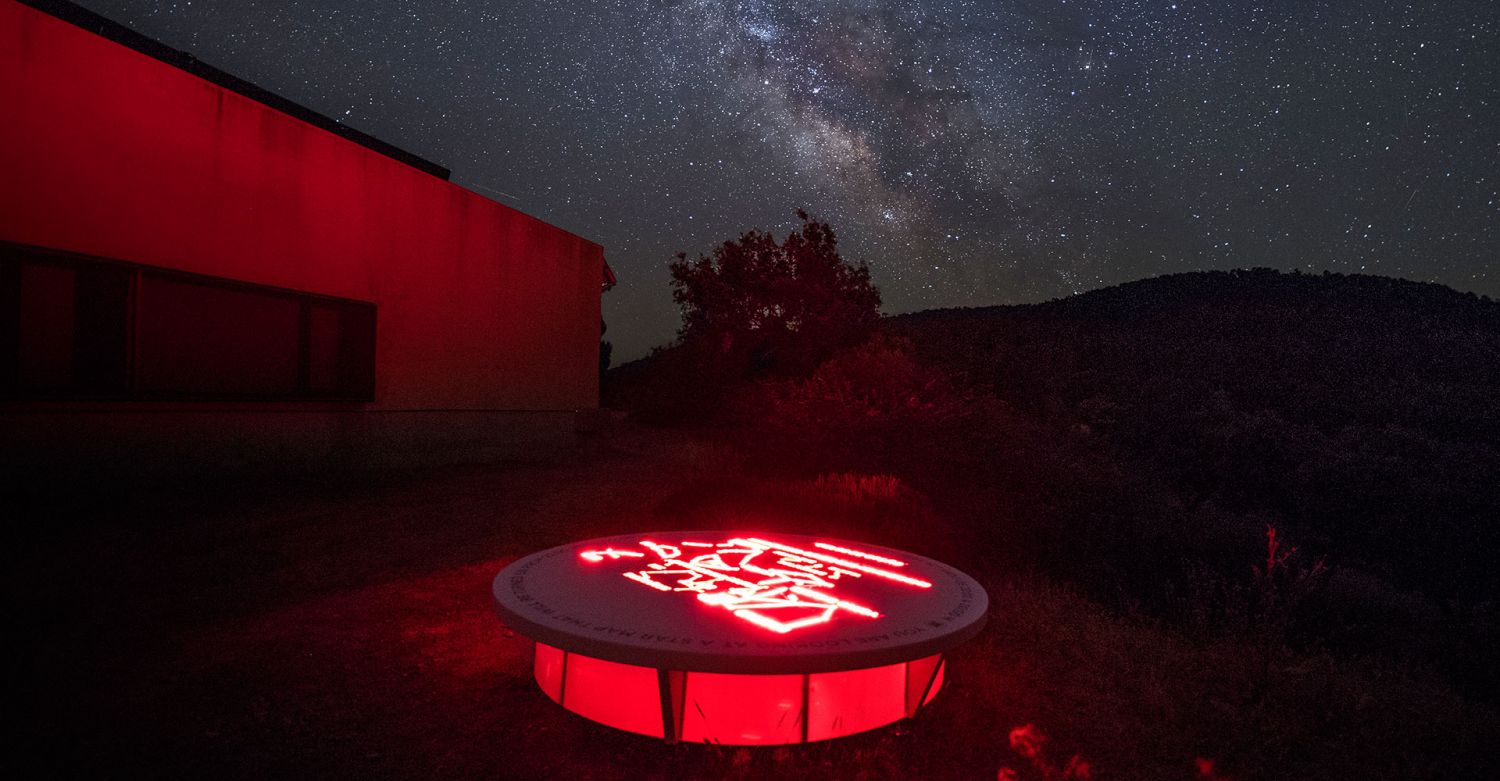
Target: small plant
1282	585
1278	588
1029	742
1207	770
879	383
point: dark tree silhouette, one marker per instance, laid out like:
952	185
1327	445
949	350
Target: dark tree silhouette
758	308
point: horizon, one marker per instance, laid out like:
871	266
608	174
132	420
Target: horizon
971	156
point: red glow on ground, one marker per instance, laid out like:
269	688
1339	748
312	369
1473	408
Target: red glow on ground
772	585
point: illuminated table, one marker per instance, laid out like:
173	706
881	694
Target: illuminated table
737	638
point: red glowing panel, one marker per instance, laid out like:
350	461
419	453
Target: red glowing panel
743	710
937	682
620	695
844	703
772	585
548	670
924	677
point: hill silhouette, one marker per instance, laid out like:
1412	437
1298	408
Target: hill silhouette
1139	441
1328	350
1361	411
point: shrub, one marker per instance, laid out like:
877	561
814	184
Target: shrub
756	307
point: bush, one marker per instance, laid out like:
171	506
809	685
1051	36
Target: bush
877	383
758	308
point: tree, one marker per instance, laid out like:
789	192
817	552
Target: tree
758	308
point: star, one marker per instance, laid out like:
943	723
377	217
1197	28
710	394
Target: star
971	152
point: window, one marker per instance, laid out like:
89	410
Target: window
74	327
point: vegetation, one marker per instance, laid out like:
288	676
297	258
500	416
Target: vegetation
755	310
757	307
1138	443
251	634
1232	526
1359	415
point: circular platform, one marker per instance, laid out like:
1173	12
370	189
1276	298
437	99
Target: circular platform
739	603
787	638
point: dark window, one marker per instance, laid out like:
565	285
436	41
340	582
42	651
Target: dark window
207	340
323	339
79	327
44	351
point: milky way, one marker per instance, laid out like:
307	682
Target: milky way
971	152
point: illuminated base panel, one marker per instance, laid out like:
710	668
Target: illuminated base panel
734	709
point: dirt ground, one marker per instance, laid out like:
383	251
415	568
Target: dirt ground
343	628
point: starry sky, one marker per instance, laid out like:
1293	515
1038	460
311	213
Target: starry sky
972	152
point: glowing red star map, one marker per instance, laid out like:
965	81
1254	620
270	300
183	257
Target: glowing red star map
779	587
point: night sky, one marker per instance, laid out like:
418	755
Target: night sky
973	153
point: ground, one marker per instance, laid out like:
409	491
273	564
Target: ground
342	627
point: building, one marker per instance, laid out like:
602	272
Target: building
196	273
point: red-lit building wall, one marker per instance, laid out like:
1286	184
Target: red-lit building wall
108	152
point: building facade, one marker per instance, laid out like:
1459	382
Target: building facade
195	273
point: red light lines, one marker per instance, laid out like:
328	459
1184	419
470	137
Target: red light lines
775	586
